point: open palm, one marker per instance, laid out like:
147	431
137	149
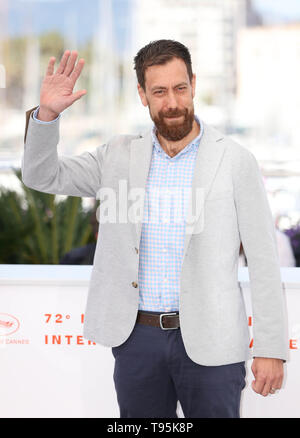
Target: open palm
56	92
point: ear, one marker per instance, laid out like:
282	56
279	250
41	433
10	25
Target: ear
142	95
193	84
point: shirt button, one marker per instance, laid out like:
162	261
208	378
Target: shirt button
165	250
134	284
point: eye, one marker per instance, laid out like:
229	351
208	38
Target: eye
158	92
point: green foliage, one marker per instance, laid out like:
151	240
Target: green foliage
51	44
36	229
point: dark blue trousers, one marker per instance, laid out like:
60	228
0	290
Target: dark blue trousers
153	371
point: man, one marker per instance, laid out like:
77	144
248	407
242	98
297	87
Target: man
164	294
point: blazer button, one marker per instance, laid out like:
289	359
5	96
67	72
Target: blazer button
136	250
134	284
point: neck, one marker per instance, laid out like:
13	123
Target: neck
172	148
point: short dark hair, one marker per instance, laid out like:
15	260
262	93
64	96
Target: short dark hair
160	52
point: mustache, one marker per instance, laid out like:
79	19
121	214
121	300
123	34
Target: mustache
173	113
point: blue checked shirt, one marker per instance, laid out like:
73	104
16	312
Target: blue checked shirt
163	228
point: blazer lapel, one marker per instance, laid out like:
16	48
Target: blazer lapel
208	158
139	166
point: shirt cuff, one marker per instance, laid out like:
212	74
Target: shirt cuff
34	115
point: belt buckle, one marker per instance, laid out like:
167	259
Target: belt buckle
160	321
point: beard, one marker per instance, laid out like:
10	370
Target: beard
174	130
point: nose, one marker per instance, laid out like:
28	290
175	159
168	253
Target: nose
171	102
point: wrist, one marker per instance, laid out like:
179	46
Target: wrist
45	115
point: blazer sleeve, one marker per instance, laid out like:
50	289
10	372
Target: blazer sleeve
257	234
44	170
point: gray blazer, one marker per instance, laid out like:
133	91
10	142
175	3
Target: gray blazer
212	312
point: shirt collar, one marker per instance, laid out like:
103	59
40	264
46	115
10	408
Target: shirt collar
192	145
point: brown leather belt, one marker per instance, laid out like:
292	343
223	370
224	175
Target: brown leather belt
165	321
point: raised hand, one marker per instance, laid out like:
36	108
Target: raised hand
56	92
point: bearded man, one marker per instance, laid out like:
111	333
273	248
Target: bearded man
164	291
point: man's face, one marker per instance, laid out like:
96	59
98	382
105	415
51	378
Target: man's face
169	95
